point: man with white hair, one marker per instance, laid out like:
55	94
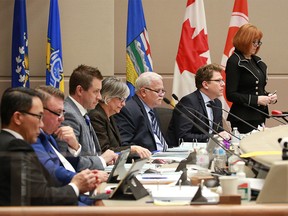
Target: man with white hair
137	122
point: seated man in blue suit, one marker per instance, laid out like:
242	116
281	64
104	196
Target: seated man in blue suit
210	85
46	146
137	122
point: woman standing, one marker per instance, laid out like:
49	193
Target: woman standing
246	78
114	93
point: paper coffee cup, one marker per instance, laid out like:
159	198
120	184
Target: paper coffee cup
229	185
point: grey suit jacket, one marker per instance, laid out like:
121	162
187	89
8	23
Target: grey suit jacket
89	141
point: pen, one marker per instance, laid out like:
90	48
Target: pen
153	152
154	177
273	92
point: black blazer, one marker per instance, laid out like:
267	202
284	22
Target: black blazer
181	127
23	179
243	86
106	130
134	125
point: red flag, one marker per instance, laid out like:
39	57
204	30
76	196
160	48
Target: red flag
238	18
193	50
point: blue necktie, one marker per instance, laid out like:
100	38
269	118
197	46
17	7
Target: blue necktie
157	132
88	122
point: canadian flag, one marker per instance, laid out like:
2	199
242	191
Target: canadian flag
238	18
193	50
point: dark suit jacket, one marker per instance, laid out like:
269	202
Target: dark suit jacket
181	127
23	179
50	160
74	118
106	130
244	85
134	125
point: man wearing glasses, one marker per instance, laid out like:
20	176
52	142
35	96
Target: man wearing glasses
23	179
136	121
62	170
210	85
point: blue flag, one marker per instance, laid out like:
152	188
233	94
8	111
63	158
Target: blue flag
138	53
54	66
19	61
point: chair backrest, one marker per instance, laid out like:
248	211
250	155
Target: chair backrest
164	115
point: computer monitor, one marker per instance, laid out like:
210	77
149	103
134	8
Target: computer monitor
118	172
130	187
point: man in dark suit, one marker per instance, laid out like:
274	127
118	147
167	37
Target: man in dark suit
135	119
23	179
84	88
209	83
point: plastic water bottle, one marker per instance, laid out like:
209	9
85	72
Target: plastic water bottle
243	183
220	159
233	159
202	158
236	133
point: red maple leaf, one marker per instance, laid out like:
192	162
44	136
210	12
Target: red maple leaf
189	50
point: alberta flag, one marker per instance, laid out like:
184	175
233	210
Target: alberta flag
20	60
54	66
138	53
193	49
239	17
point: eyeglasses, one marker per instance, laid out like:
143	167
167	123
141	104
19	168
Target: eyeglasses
121	99
220	81
160	91
60	115
39	116
257	43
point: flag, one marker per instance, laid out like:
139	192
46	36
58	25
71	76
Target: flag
138	53
238	18
54	66
193	49
20	60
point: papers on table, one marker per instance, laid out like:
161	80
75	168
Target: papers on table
188	146
174	194
159	178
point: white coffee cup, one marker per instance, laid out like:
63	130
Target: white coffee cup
229	185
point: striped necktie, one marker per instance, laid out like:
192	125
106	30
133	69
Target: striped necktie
157	132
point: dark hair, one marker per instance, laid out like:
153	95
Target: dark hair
16	99
83	75
48	91
245	36
205	73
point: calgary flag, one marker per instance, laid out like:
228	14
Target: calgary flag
238	18
193	50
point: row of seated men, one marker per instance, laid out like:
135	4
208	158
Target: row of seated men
53	149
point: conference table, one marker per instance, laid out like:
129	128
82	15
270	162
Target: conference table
265	141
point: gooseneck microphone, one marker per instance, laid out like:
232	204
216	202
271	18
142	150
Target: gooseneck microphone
263	113
211	104
200	128
199	113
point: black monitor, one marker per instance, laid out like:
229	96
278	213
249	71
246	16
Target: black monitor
118	172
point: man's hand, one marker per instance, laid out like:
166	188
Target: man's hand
101	176
109	156
142	152
66	134
225	135
86	180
